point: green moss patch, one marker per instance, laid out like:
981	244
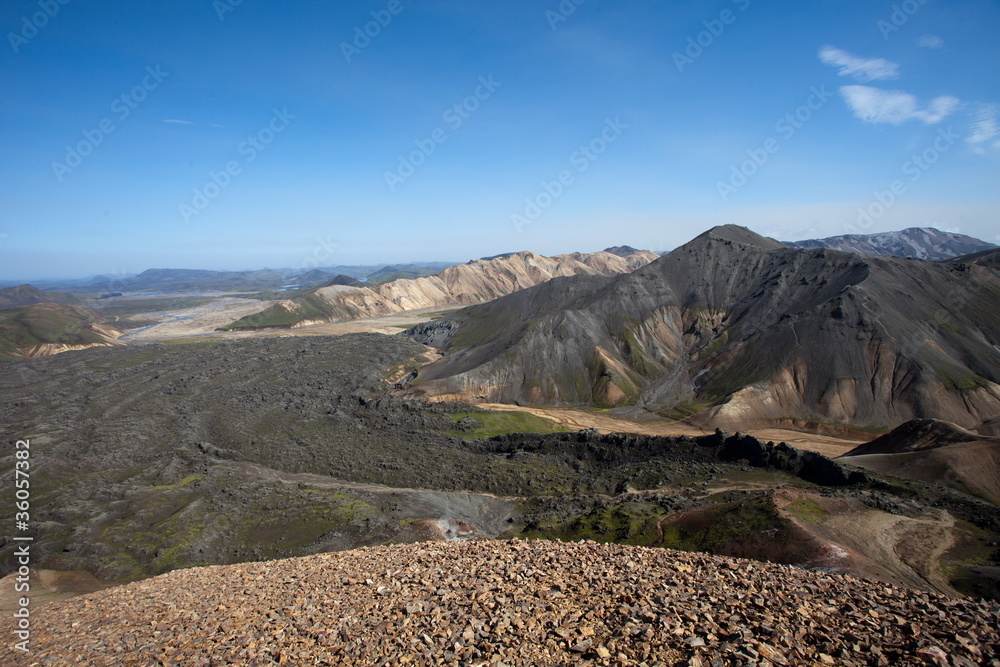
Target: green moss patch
499	423
807	510
746	529
622	523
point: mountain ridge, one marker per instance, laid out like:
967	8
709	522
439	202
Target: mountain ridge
476	281
716	328
27	294
911	243
45	328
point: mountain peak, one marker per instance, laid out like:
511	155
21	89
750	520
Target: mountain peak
738	234
622	250
916	435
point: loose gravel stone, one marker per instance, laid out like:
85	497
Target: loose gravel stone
510	603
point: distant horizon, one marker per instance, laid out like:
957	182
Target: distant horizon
234	134
8	282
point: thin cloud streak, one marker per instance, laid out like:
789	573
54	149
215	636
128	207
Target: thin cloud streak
872	105
930	42
985	127
861	69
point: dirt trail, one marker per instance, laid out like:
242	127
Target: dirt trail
485	513
894	548
579	419
909	549
47	586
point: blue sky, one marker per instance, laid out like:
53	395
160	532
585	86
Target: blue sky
236	135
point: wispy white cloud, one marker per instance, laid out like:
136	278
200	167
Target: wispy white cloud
985	127
939	109
861	69
895	107
188	122
930	42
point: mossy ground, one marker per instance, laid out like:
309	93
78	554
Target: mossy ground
745	529
498	423
683	410
957	378
624	523
308	307
972	565
807	510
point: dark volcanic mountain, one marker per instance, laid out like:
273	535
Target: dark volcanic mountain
622	250
912	243
341	279
935	451
917	436
738	330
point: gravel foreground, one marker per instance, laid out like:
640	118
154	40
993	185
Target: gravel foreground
510	603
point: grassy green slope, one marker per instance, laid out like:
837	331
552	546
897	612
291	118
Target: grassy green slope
25	327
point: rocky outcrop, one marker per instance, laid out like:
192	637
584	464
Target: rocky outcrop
740	331
512	603
987	258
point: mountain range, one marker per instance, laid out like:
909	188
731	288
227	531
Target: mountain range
911	243
190	280
474	282
736	330
319	295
